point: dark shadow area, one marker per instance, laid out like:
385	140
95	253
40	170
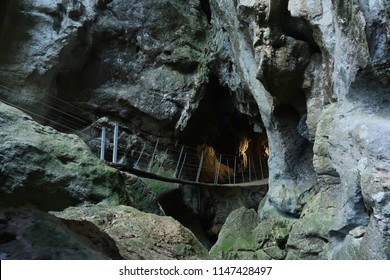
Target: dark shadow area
218	131
298	28
3	12
205	6
174	206
218	123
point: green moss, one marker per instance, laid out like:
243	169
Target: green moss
158	187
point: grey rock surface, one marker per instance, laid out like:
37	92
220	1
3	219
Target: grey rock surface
45	169
140	235
244	237
28	234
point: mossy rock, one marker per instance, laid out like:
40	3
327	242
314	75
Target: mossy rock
244	237
140	235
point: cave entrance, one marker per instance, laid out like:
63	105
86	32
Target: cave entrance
220	128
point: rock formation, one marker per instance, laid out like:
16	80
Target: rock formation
140	235
35	235
305	81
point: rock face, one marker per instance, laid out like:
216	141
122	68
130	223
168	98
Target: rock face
94	232
139	61
32	234
326	66
140	235
45	169
314	76
244	237
216	204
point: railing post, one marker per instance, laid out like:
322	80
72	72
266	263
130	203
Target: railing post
103	144
154	152
228	169
249	168
234	170
261	169
254	169
182	166
242	171
115	151
200	167
178	161
217	170
162	162
140	155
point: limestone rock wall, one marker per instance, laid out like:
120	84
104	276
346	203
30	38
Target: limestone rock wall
141	62
325	68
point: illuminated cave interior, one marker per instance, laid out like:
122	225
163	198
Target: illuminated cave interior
218	127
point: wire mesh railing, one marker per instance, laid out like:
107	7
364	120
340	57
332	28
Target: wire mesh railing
199	164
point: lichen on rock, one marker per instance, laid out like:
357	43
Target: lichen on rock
45	169
140	235
244	237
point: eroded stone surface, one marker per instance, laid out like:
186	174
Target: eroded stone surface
140	235
34	235
43	168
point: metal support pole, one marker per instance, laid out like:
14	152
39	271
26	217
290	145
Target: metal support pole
154	152
103	144
140	155
242	171
217	170
162	162
249	168
115	152
178	161
199	198
261	169
228	169
254	169
234	170
200	167
181	169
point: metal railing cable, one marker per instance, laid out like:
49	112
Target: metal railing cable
50	115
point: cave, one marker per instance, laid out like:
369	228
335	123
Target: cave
219	124
205	6
3	11
297	27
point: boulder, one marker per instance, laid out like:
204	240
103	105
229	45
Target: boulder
243	236
140	235
35	235
48	170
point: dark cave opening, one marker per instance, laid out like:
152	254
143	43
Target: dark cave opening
298	28
3	12
222	128
219	124
205	6
174	206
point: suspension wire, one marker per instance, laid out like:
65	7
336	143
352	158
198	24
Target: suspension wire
73	119
35	114
2	82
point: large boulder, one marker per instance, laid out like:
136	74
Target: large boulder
45	169
140	235
35	235
244	237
